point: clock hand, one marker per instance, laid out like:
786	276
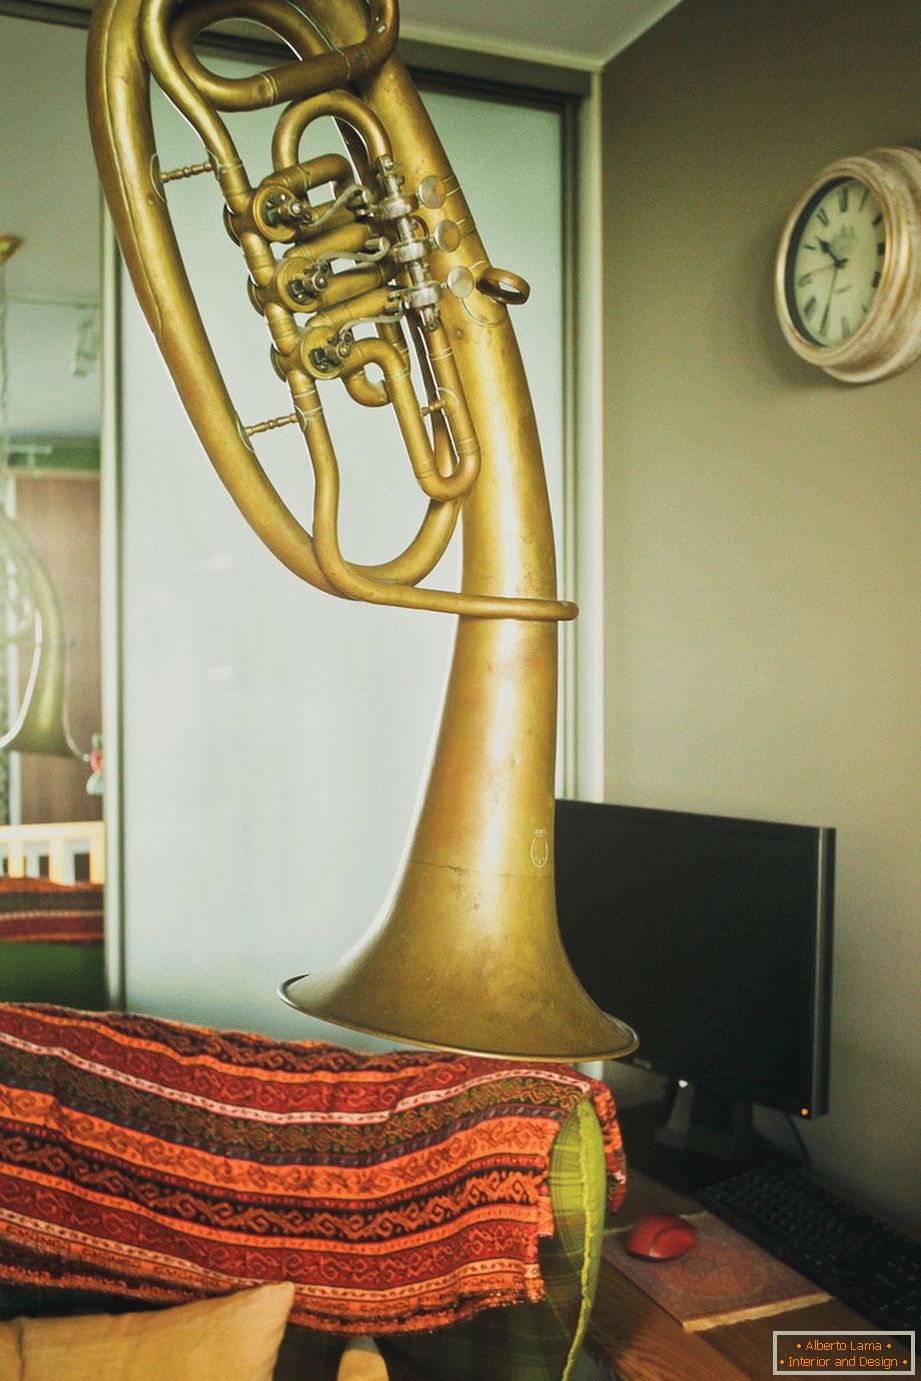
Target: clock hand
827	249
824	322
823	268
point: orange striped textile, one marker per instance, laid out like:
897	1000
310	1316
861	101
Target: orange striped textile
166	1162
36	910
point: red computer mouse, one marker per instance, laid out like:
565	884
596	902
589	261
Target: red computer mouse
660	1236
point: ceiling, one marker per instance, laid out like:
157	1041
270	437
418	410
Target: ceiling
583	33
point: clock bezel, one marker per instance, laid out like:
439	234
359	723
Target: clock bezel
889	337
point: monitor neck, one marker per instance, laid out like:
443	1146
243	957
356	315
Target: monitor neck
707	1122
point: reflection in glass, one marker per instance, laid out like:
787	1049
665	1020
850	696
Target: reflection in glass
51	830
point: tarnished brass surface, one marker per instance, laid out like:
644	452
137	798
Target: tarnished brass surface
468	956
41	722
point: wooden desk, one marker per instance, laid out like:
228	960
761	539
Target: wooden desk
643	1343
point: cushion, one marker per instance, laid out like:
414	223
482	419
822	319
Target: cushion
10	1359
234	1338
361	1361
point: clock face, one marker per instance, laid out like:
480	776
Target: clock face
835	262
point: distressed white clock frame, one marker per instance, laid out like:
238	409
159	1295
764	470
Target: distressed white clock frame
889	338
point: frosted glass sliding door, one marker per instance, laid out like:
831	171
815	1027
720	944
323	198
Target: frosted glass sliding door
275	739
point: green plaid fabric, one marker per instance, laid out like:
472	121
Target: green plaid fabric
530	1342
523	1342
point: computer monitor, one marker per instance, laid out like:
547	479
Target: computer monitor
712	938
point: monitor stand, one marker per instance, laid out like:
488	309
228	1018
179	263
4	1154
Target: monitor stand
694	1137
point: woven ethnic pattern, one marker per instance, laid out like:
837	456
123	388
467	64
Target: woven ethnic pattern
36	910
397	1191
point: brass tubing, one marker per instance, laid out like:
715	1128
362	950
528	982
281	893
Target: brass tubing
153	20
451	394
261	264
468	955
326	324
392	333
325	245
370	393
350	284
293	80
124	145
123	142
351	580
303	177
340	105
259	258
429	544
283	330
412	428
373	393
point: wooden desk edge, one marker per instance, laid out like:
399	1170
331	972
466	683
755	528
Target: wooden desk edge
644	1343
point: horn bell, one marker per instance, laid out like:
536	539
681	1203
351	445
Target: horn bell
41	722
500	986
469	957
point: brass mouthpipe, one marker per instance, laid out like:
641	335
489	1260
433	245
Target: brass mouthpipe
340	105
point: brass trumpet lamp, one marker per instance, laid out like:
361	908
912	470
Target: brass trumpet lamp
469	955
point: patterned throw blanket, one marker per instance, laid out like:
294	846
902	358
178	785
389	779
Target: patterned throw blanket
34	909
167	1162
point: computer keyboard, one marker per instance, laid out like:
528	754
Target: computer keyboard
862	1262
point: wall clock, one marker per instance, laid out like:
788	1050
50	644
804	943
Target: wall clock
848	277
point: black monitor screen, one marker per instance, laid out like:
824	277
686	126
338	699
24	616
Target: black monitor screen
711	937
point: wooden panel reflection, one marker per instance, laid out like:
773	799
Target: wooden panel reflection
60	517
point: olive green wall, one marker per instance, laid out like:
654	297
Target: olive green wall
763	545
